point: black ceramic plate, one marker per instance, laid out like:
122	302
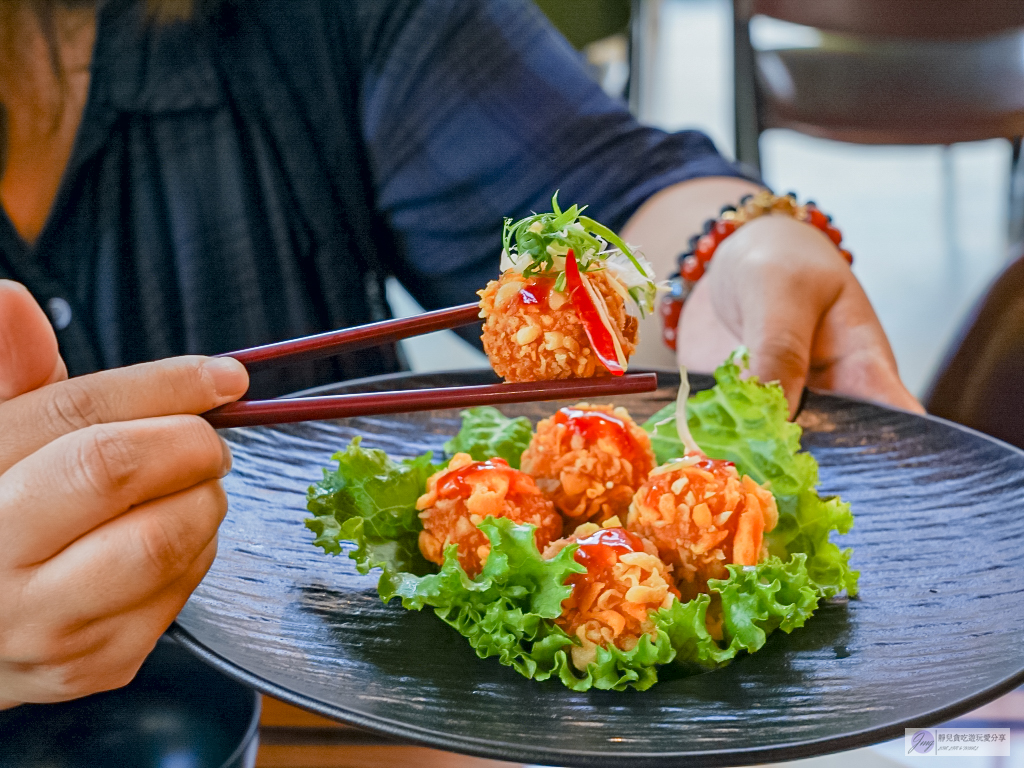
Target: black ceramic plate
937	631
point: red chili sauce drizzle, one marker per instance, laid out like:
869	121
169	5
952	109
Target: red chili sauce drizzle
714	466
536	291
599	551
593	425
456	483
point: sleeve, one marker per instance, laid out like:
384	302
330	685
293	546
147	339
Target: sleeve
476	110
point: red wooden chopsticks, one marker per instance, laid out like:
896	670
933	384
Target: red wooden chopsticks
246	413
351	339
256	412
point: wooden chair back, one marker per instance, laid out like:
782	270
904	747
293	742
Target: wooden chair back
981	383
922	19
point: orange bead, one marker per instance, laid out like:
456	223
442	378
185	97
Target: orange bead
833	234
723	229
671	307
817	218
692	269
705	248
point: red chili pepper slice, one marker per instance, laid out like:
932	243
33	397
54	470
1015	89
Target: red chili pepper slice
600	335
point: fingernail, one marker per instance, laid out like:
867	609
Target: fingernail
10	285
230	379
227	457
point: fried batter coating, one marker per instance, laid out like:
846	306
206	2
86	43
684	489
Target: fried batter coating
612	602
589	460
533	333
701	515
459	497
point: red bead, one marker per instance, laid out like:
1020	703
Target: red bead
691	269
817	218
833	234
671	307
846	255
705	248
723	228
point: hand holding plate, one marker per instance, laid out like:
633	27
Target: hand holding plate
782	289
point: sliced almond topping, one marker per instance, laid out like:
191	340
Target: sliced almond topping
702	515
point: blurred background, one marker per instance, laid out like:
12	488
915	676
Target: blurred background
928	223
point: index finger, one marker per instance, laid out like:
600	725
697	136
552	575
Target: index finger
181	385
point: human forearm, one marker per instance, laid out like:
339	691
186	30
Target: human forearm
781	288
777	285
663	226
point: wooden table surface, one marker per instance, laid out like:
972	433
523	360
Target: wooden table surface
293	738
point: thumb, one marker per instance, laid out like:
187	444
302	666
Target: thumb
779	339
29	358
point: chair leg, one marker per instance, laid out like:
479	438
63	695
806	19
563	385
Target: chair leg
1016	202
748	118
949	208
642	54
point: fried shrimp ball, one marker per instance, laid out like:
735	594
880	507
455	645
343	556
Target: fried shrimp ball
701	515
532	333
612	602
589	460
466	492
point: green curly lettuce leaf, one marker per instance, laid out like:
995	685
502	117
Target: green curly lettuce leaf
617	670
757	600
685	624
747	422
486	432
506	610
753	602
371	500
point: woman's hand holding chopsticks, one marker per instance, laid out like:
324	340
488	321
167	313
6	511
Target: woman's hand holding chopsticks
110	497
109	506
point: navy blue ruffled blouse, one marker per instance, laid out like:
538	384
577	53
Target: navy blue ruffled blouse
255	174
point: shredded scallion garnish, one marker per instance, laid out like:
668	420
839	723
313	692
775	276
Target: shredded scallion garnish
542	238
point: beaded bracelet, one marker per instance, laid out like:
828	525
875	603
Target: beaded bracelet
702	247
